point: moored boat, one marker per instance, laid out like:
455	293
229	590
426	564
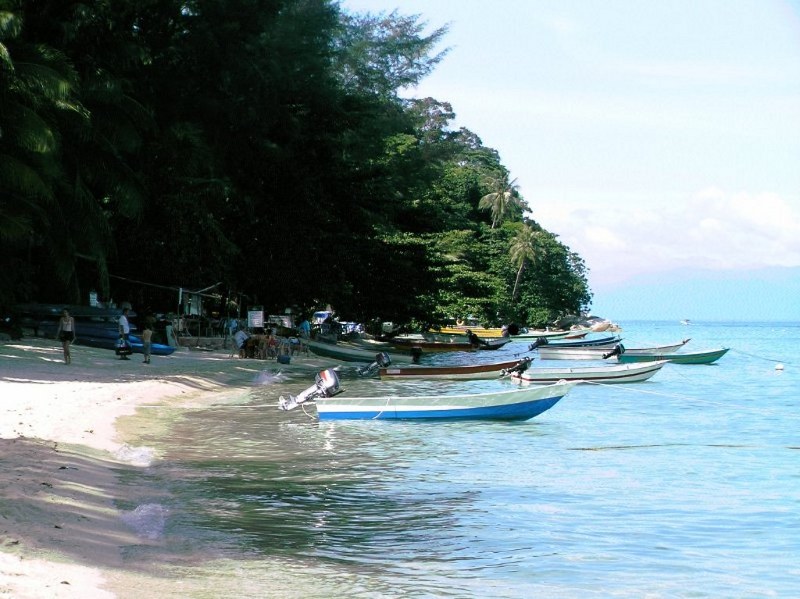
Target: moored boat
605	341
695	357
547	352
351	353
472	371
431	346
495	332
515	404
607	374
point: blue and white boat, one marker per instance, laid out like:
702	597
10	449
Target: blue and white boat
503	404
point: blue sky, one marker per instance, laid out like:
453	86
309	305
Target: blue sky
651	137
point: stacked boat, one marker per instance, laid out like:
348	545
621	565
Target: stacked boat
94	326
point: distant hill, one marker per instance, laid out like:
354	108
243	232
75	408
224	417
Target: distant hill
753	295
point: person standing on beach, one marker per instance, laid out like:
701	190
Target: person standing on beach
124	331
66	334
147	336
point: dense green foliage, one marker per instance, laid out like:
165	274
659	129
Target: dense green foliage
263	145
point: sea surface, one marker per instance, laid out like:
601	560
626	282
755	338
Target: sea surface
687	485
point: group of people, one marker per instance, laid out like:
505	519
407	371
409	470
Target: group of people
66	333
267	345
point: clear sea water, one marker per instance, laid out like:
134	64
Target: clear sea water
687	485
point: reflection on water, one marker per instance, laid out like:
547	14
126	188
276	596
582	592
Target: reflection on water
684	484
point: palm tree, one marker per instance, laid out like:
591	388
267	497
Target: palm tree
525	248
505	195
37	85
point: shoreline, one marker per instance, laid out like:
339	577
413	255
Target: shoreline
61	533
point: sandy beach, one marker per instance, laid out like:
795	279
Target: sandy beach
60	532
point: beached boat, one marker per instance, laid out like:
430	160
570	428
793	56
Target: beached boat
94	327
515	404
547	352
695	357
473	371
351	353
608	374
136	343
94	322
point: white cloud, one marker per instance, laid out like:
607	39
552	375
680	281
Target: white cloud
712	229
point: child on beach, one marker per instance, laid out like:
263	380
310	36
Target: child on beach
147	336
66	334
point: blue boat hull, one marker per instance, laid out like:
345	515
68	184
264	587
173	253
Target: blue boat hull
514	412
137	345
517	404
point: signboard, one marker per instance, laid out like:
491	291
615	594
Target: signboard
255	319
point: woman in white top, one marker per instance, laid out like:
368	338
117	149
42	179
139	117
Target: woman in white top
66	333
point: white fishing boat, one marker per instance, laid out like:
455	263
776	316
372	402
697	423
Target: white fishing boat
606	374
548	352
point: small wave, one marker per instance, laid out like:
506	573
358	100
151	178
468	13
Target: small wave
138	456
147	520
268	378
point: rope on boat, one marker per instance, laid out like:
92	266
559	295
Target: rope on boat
733	349
631	389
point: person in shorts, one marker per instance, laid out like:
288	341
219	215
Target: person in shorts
66	334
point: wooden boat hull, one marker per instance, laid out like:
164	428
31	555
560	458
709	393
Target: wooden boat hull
516	404
611	374
698	357
347	353
474	371
547	352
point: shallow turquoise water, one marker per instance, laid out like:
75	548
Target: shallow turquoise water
687	485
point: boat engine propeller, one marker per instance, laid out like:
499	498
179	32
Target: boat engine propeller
326	384
382	360
519	368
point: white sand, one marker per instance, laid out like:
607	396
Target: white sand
60	534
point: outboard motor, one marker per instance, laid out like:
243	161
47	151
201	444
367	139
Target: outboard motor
618	350
519	368
416	354
382	360
538	343
326	384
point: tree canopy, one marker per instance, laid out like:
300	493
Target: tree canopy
264	145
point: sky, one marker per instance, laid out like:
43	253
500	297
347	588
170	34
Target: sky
653	138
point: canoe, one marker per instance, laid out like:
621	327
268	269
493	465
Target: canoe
515	404
612	373
696	357
546	352
472	371
351	353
